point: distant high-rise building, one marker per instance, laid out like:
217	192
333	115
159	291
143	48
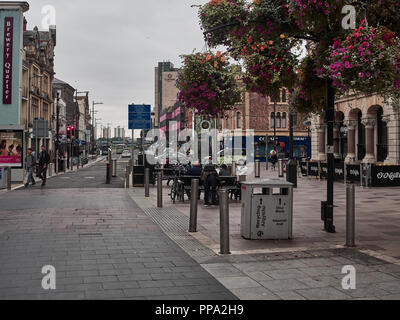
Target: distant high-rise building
106	133
119	132
166	91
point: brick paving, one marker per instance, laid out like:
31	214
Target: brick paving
310	265
102	245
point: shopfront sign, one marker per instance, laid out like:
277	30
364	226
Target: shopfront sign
8	60
353	173
385	176
339	171
313	169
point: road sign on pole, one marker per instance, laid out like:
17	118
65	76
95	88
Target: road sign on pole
139	117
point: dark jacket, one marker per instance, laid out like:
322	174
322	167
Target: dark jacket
195	171
44	158
208	170
30	162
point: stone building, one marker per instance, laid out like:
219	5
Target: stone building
39	68
367	130
260	114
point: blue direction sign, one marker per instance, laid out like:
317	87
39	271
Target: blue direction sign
139	117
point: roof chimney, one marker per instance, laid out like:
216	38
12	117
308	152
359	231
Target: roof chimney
25	23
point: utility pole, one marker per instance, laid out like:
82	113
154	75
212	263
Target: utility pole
93	123
57	164
291	174
330	118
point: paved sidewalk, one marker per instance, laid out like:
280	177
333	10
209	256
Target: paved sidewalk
19	185
310	265
102	245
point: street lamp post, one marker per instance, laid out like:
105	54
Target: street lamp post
57	133
93	123
291	174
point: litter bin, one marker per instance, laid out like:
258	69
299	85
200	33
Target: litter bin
3	178
267	210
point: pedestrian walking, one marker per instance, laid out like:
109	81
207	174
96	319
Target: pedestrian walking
43	162
30	168
274	159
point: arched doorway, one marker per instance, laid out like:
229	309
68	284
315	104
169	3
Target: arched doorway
355	136
361	148
380	133
340	136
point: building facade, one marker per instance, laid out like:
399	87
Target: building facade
264	117
366	130
39	68
165	89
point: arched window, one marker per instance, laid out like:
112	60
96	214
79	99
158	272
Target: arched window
239	120
278	120
284	122
272	122
295	120
284	98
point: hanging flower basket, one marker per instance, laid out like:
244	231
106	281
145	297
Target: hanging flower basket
310	93
207	84
316	15
217	13
367	61
269	66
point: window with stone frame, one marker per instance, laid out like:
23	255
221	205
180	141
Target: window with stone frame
239	120
284	120
272	122
278	120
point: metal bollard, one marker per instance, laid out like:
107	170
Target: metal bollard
233	168
159	191
224	221
350	215
65	165
108	173
127	175
50	170
280	168
114	168
193	205
147	182
8	179
257	169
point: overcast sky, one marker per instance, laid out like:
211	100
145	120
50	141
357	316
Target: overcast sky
111	48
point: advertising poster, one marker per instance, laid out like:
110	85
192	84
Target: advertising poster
11	148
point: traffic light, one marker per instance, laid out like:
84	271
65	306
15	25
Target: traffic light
73	131
68	132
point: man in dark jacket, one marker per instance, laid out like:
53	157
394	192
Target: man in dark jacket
30	168
44	161
210	178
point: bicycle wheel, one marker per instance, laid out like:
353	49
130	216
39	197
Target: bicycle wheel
174	191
